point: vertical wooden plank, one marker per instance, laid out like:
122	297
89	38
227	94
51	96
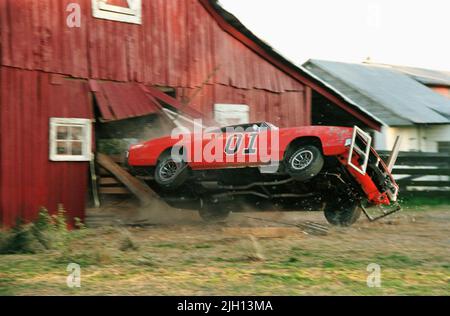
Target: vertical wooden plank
308	104
5	33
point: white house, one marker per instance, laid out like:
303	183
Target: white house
407	107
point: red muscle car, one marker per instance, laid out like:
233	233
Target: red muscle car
261	164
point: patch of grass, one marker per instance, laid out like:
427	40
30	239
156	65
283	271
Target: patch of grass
168	263
396	260
291	260
203	246
411	202
300	252
231	259
127	243
147	260
86	258
189	261
169	245
284	278
328	264
350	263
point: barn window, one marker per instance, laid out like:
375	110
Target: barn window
129	11
70	139
231	114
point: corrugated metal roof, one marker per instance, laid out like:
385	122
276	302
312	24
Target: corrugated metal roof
388	94
162	97
346	97
425	76
119	100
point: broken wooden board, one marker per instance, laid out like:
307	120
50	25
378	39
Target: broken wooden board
142	191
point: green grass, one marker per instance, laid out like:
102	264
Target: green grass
199	262
413	202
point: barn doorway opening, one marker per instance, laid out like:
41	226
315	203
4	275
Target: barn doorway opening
325	112
127	114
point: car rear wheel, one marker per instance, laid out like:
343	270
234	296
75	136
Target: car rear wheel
214	212
304	163
342	213
171	173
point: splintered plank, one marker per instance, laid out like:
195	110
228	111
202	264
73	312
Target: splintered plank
143	192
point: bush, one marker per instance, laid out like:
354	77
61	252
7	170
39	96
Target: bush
20	240
42	228
47	232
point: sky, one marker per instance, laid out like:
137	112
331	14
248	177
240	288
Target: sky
400	32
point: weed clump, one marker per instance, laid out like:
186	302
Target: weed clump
47	232
127	243
20	240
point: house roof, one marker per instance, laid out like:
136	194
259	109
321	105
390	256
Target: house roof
233	26
426	76
388	94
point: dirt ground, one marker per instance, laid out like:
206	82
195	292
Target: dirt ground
246	256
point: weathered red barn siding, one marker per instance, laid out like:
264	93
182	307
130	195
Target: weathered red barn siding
179	44
286	109
28	180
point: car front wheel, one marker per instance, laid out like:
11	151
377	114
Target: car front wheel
214	212
342	213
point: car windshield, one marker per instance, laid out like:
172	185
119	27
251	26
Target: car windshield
249	127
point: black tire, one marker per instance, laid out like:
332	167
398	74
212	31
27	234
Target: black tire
304	162
214	212
343	213
171	173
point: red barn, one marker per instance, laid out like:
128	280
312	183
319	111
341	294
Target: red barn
71	69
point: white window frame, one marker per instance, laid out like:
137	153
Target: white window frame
223	111
102	10
86	147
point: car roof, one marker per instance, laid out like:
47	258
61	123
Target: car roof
247	124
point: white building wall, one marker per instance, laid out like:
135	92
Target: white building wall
414	138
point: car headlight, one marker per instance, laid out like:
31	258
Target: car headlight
348	142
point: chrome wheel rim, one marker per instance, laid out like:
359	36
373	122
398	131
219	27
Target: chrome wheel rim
168	170
302	159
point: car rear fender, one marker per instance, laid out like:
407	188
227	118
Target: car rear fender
303	140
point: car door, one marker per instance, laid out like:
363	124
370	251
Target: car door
241	148
233	148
